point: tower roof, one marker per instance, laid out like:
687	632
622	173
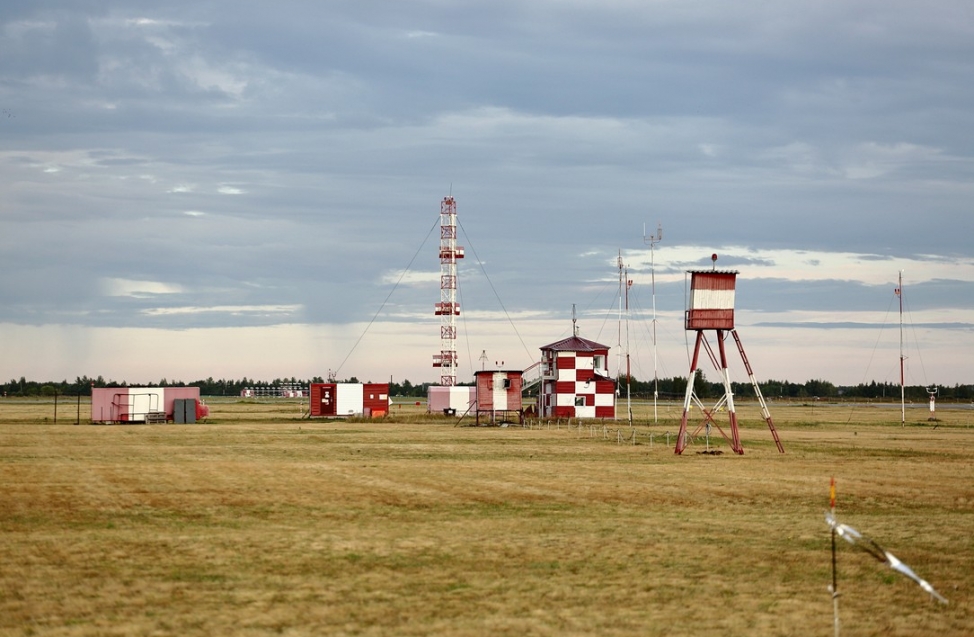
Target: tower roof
575	344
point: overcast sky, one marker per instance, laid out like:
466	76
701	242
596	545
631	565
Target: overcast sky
229	189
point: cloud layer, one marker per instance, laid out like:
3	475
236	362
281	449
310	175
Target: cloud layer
206	166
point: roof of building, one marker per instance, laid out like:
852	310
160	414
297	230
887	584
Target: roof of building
713	272
575	344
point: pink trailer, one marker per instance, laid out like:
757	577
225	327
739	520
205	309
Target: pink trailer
453	400
145	404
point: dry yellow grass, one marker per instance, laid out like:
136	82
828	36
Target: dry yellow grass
262	523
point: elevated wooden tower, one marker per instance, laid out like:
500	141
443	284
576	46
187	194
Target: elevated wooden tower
711	308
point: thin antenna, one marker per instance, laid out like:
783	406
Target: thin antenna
902	357
834	588
652	240
624	284
574	322
619	340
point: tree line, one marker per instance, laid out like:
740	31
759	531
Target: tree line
675	388
82	386
668	388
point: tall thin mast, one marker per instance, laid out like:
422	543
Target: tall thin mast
628	284
899	293
619	323
448	308
624	284
652	240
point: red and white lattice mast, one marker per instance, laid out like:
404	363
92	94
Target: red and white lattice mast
712	308
448	309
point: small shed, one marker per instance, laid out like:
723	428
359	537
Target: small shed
575	381
450	400
339	400
499	395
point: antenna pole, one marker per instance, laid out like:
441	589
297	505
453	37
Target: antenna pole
619	335
835	583
899	293
652	240
628	367
624	293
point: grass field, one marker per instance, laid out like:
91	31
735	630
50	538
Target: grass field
259	522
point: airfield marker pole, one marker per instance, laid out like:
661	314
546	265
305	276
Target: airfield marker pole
834	587
857	539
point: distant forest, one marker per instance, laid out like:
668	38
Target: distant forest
669	388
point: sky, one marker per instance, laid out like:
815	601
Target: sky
249	189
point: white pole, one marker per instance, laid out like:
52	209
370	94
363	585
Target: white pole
899	292
835	583
628	366
652	240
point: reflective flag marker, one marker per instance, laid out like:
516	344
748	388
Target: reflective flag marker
859	540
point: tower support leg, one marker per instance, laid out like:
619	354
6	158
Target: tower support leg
729	394
757	392
681	442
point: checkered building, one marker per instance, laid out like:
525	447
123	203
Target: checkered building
575	380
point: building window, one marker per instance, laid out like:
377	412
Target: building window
598	362
579	401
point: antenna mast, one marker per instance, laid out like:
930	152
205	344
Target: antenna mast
448	309
652	240
899	293
624	284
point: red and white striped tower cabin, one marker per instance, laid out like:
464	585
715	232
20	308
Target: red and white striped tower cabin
448	309
711	307
499	395
575	381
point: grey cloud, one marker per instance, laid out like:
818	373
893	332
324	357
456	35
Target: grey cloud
833	127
